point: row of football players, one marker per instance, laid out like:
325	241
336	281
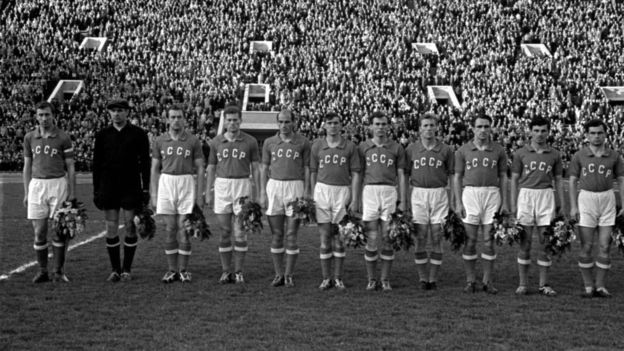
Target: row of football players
341	177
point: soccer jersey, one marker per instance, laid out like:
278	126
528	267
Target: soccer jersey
234	158
286	159
430	168
596	173
480	167
536	170
334	164
48	154
381	163
177	156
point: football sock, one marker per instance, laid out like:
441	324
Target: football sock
58	250
112	246
421	259
387	256
435	262
184	254
291	260
240	250
171	251
225	254
277	254
326	262
130	245
41	248
371	263
339	257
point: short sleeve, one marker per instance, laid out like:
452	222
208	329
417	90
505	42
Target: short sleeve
27	147
156	149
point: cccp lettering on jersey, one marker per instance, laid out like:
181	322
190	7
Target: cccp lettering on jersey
484	163
233	153
285	153
45	150
178	151
332	159
383	159
431	162
537	166
592	168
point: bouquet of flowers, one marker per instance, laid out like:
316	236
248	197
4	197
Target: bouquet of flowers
401	231
351	231
195	224
250	215
559	235
454	230
144	222
303	209
506	229
618	233
70	219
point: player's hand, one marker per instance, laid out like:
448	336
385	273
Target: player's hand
200	202
354	206
574	213
401	207
26	200
145	197
621	212
263	201
154	201
460	210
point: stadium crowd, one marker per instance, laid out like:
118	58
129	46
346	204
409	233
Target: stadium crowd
351	57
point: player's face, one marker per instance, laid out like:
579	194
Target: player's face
596	135
428	128
285	123
232	123
333	126
539	134
45	118
177	121
118	115
379	127
482	129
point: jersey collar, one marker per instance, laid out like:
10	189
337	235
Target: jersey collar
53	132
183	136
530	148
420	147
296	139
341	145
589	153
489	146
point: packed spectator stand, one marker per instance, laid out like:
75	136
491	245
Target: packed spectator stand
352	57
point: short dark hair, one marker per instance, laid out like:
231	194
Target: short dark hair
429	115
595	123
232	109
44	104
331	115
481	116
539	121
286	112
177	107
377	114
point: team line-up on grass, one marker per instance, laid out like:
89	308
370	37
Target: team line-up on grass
331	181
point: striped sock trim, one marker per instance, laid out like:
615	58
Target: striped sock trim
371	258
543	263
171	252
435	262
488	257
387	257
421	261
114	244
58	244
326	256
602	265
586	264
278	250
292	252
340	254
470	257
241	248
225	249
130	244
40	246
184	252
524	262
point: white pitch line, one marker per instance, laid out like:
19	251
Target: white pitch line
24	267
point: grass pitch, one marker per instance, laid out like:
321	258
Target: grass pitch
90	313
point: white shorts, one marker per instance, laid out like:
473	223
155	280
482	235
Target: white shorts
378	202
227	191
331	202
176	194
480	204
535	207
596	209
45	196
280	193
429	205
